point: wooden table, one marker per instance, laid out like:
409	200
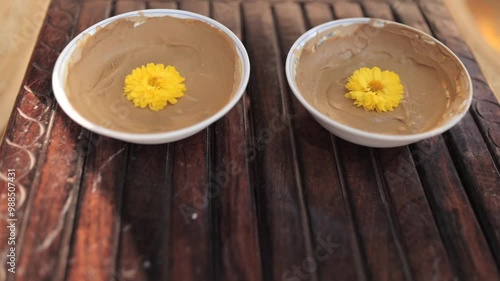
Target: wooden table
263	194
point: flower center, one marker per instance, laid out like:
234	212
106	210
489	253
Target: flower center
375	85
153	81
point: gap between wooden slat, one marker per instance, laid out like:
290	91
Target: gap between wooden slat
215	203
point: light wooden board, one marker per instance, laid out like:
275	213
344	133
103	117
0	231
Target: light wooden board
20	21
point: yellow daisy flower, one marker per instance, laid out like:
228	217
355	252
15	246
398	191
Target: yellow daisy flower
374	89
154	85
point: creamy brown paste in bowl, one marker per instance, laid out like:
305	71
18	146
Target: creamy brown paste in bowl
437	87
90	73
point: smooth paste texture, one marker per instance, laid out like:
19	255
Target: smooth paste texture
435	84
202	54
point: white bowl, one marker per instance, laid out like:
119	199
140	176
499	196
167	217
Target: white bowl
356	135
61	67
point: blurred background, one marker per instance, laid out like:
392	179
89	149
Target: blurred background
20	22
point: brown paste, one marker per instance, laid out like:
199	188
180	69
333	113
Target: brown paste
434	81
202	54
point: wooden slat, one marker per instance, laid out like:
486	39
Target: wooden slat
200	7
377	10
42	233
317	13
282	238
145	217
379	233
476	168
98	218
191	254
128	6
146	205
410	13
344	9
161	5
98	223
321	184
472	156
421	239
234	199
464	241
48	230
485	107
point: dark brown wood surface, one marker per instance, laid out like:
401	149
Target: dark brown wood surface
265	193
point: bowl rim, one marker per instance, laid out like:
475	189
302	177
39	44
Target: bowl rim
60	68
311	33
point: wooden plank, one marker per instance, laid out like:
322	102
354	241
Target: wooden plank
383	256
475	166
474	159
191	233
146	204
466	246
238	246
410	12
322	189
379	10
282	237
200	7
317	13
144	242
380	238
346	9
485	107
421	239
129	6
98	219
46	242
161	5
41	232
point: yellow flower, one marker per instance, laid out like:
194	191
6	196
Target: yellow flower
374	89
154	85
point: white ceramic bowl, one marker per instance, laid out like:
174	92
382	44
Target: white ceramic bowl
356	135
61	67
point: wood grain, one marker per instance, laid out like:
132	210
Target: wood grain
191	227
238	248
322	191
475	157
161	5
98	218
46	233
379	239
415	222
128	6
263	194
281	224
146	205
470	153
